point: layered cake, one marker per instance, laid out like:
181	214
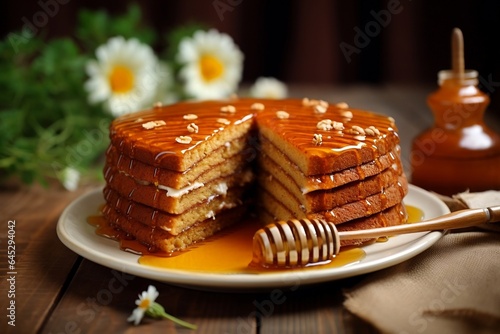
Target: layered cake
330	162
177	174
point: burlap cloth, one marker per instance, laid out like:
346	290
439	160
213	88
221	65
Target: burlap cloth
453	287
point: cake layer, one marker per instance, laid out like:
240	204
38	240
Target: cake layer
395	215
327	140
174	224
221	162
276	162
341	214
150	136
320	200
178	136
392	216
173	201
164	241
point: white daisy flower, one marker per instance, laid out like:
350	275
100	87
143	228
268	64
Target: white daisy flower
146	305
269	88
145	301
212	65
124	77
70	178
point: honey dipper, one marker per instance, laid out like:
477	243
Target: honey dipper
299	242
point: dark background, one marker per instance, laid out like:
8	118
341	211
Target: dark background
299	41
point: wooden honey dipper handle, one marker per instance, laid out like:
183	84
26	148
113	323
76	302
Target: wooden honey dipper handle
457	53
454	220
300	242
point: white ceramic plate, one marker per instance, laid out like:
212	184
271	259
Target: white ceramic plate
79	236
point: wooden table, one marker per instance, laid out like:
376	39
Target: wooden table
57	291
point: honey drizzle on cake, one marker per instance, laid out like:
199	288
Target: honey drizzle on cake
166	152
173	139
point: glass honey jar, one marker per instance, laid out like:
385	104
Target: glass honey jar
459	152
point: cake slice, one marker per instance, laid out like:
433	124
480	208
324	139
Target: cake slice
178	174
326	162
323	139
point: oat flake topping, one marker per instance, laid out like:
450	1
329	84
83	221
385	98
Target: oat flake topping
193	128
317	139
282	114
257	106
190	117
183	139
229	109
153	124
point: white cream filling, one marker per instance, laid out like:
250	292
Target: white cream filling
171	192
221	188
210	214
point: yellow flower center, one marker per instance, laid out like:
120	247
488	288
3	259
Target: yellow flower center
144	303
121	79
211	67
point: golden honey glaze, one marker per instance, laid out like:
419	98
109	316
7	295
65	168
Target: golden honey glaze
158	146
228	252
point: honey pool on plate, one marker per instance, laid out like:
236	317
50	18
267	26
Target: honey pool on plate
229	251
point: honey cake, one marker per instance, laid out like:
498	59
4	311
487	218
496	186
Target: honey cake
322	161
321	139
172	172
177	174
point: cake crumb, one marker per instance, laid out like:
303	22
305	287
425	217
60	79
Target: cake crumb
257	106
229	109
158	104
317	139
282	114
183	139
190	117
153	124
193	128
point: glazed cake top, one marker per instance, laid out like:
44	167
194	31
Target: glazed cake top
177	136
319	138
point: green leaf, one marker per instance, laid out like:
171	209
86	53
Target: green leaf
11	124
96	27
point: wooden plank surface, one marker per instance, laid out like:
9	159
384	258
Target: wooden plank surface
43	263
57	291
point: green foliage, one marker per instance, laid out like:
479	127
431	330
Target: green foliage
96	27
46	123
